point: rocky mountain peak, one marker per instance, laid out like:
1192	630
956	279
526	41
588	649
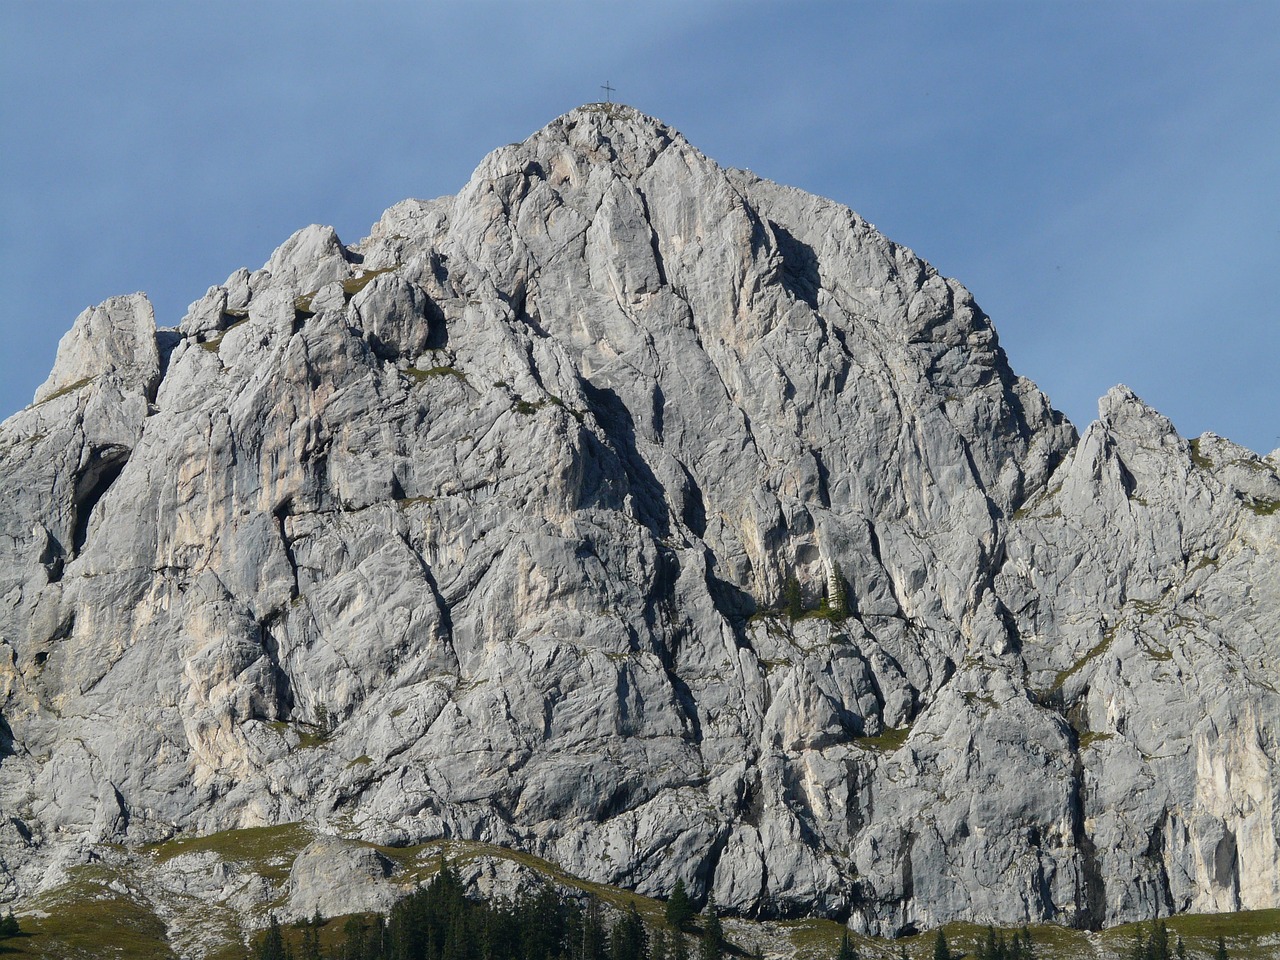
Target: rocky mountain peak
1124	413
116	338
627	131
654	518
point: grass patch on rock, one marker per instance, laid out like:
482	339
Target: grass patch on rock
355	284
528	408
267	851
69	388
302	306
1198	458
1261	506
889	740
89	917
309	734
405	502
214	343
1204	563
825	611
1097	650
1090	737
1028	508
422	376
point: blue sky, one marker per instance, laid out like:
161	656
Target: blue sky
1104	177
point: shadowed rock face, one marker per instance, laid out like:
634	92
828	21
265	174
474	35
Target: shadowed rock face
472	530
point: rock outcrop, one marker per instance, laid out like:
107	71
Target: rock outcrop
487	528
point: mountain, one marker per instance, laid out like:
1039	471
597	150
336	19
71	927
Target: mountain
657	520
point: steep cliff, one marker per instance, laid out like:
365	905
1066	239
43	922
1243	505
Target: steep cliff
486	528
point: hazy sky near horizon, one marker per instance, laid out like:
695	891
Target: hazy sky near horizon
1104	177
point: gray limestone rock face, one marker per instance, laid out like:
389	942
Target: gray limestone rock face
333	877
116	338
491	527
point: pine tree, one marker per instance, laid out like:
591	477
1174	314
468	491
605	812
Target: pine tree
1181	952
846	949
658	945
628	940
9	926
311	940
1158	947
353	937
679	908
1221	952
711	946
1139	951
990	948
794	599
456	939
679	949
940	949
593	937
271	943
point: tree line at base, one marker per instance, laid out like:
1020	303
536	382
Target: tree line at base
438	922
1156	945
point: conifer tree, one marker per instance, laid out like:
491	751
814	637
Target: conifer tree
794	599
1159	943
311	939
353	939
456	939
9	926
846	949
1139	950
711	946
658	945
1152	945
990	948
271	944
940	949
1221	952
593	936
628	940
679	907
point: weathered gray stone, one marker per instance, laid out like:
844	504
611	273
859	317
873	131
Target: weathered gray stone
333	877
118	338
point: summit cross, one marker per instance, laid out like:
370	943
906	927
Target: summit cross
608	92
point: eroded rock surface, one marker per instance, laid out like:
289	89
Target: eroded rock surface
482	528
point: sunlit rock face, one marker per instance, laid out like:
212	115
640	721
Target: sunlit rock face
484	528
